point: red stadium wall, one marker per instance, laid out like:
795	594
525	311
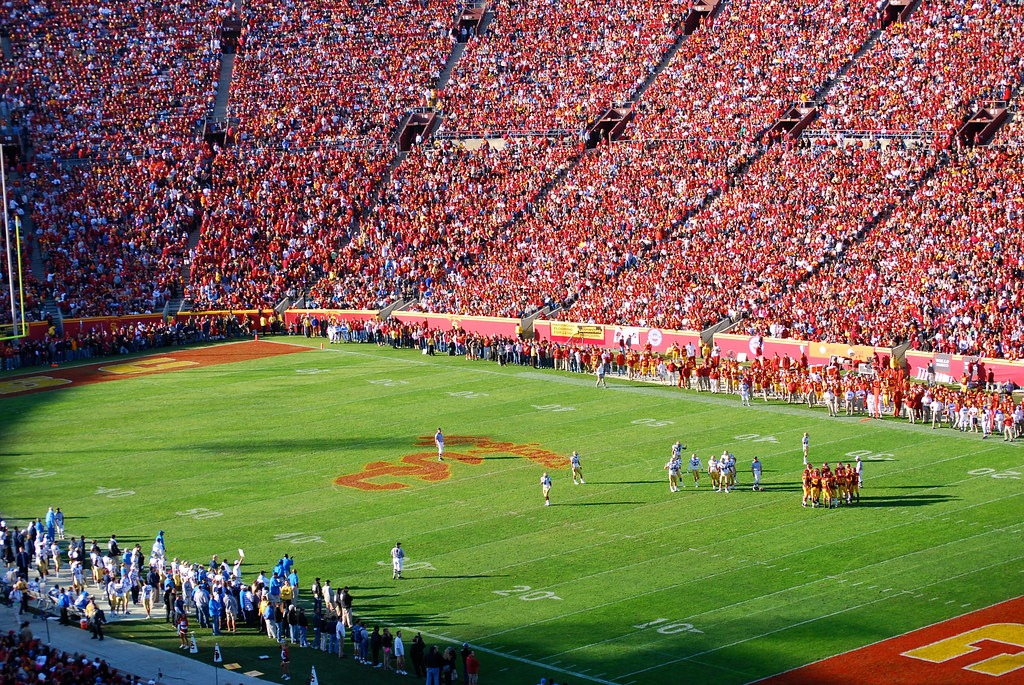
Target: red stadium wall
37	330
955	366
482	325
609	336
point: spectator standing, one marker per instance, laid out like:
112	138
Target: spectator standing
433	663
346	607
399	650
472	668
96	622
418	654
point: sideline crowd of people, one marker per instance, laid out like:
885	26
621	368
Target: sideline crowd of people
202	596
874	388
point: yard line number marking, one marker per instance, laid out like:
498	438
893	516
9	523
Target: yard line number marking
552	407
651	423
26	472
670	627
527	594
298	538
756	437
199	513
114	492
1015	475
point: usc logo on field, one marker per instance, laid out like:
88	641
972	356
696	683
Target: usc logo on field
999	636
424	466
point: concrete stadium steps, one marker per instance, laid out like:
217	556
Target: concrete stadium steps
227	65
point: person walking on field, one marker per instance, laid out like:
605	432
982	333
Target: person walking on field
545	486
439	441
577	468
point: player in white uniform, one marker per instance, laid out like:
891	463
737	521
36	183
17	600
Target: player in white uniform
577	468
677	450
439	441
806	443
545	486
695	467
397	560
713	471
674	466
755	469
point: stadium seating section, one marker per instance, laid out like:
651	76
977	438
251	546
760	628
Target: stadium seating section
876	225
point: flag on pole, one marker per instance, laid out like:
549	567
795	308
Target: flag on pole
312	678
194	649
217	658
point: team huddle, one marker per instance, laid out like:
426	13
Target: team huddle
824	487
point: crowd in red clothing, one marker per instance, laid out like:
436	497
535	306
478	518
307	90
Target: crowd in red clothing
944	271
646	232
113	236
26	659
328	71
443	207
110	78
557	65
615	207
274	220
924	74
737	73
794	209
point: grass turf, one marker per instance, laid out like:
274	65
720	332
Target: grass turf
619	581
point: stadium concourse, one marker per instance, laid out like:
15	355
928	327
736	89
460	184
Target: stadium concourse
701	206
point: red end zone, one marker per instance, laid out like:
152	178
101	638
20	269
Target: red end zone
113	369
982	647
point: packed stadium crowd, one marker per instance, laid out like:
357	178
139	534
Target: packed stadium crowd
747	64
25	658
925	74
325	71
110	249
273	220
918	279
794	209
428	230
544	65
614	208
674	234
112	79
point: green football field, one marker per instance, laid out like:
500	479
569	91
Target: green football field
619	581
